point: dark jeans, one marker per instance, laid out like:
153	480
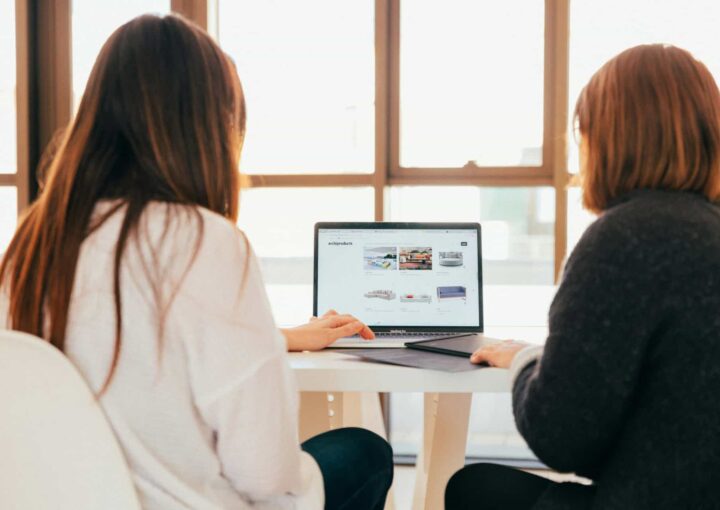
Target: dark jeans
491	487
357	468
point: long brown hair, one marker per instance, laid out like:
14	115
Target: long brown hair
162	119
650	118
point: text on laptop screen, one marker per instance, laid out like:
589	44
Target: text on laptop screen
400	277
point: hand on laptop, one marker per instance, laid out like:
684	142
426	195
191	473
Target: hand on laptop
322	331
498	354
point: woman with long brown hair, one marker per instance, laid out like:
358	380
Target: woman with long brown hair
130	263
625	390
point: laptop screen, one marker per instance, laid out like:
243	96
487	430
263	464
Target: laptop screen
409	276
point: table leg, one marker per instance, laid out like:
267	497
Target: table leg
446	419
320	412
314	414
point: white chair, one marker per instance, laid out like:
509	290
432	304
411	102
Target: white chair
57	451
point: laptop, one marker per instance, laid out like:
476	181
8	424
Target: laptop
407	281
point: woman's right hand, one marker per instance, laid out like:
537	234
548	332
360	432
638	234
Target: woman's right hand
323	331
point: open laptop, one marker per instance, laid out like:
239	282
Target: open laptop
407	281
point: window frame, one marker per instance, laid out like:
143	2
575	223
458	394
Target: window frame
44	104
20	179
388	171
52	54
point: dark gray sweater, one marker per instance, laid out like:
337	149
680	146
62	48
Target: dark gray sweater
627	392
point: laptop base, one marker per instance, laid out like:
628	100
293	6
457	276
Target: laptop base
389	341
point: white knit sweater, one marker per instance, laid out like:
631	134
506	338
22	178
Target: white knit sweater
206	412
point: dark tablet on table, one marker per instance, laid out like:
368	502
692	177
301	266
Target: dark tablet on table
462	346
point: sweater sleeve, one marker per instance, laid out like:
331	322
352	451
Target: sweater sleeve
571	404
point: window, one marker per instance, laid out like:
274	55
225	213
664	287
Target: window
578	218
471	83
309	86
284	242
8	214
92	24
8	149
598	33
492	433
517	225
8	126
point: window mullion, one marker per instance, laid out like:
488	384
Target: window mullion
194	10
555	116
383	61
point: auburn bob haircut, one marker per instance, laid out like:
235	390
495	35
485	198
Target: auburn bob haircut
649	119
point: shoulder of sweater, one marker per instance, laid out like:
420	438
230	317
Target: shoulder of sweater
185	222
179	240
652	207
220	227
212	222
649	229
209	257
652	215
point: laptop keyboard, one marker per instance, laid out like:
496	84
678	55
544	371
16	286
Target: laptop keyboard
413	336
409	334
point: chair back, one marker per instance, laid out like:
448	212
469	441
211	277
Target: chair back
57	450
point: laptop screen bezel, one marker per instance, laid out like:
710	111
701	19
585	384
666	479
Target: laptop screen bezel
405	226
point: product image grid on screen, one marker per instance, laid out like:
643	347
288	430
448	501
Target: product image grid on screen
400	277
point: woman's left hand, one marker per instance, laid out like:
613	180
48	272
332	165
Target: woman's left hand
322	331
498	354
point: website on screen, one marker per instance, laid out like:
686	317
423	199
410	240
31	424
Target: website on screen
400	277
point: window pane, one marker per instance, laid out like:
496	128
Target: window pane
517	225
308	74
8	215
491	434
280	225
601	30
92	23
8	129
471	83
578	218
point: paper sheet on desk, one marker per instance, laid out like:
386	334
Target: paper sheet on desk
412	358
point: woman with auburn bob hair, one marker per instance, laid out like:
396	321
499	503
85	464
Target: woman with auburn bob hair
625	391
130	263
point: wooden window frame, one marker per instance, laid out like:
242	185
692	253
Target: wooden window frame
20	179
388	172
43	86
45	101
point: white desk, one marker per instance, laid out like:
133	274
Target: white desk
341	390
